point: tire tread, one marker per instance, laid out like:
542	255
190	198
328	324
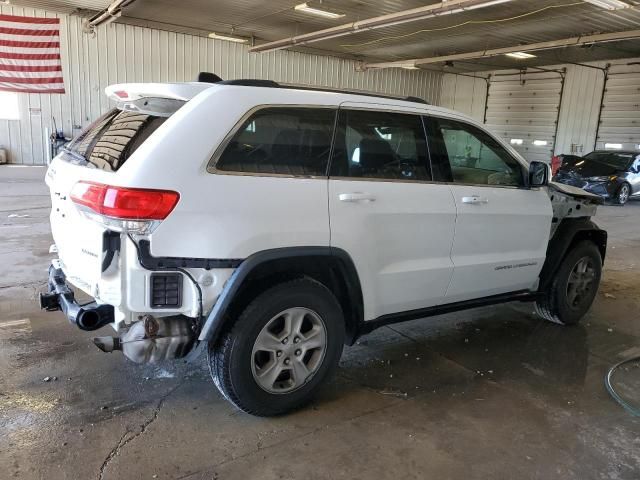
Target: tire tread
220	353
547	306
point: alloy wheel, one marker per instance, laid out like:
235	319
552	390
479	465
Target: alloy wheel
623	195
581	282
289	350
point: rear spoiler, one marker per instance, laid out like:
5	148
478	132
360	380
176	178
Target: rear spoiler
127	92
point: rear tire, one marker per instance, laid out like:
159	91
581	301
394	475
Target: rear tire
574	286
285	343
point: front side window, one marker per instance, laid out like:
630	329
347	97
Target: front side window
473	156
380	145
281	140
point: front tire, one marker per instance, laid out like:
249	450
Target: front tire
623	194
285	343
574	287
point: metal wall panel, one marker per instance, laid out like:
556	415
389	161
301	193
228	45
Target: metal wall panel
120	53
620	115
467	95
579	111
526	107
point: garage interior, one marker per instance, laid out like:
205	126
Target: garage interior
495	392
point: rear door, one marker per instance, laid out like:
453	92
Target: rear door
385	211
502	227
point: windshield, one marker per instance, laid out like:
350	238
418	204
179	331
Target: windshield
109	141
613	159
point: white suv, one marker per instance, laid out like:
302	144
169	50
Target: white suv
271	225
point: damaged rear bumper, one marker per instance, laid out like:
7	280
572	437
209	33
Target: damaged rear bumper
59	296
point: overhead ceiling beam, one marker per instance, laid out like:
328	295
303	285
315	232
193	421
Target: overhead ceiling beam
531	47
108	15
446	7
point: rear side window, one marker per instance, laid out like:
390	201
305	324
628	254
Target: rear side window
281	140
109	141
380	145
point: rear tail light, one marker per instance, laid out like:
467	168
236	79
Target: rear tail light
132	209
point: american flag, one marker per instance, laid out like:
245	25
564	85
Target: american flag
30	55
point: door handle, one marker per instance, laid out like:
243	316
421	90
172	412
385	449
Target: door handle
474	200
356	197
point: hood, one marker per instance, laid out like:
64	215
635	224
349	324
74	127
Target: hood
587	168
575	192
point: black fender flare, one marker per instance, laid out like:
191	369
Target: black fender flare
565	235
215	320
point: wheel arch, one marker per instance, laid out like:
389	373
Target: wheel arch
333	267
570	232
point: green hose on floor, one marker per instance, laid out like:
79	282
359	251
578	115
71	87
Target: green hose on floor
607	383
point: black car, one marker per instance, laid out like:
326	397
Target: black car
612	175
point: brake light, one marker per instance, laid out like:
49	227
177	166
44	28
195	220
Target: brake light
125	203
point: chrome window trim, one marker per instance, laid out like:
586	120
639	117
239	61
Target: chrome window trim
213	161
374	108
385	180
427	182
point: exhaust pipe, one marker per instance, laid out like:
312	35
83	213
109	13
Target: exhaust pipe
152	340
93	318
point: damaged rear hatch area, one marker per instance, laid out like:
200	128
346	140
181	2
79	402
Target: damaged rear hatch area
93	157
91	207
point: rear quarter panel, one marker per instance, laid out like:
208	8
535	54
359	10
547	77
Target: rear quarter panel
225	215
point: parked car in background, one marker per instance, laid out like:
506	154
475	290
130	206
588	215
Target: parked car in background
612	175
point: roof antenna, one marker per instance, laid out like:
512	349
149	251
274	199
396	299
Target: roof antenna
208	77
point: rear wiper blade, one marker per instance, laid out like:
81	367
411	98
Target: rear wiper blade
66	149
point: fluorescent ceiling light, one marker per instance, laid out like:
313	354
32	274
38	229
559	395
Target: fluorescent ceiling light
613	146
304	7
490	3
609	4
540	143
410	67
517	141
520	55
228	38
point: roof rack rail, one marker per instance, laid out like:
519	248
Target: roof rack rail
250	82
356	92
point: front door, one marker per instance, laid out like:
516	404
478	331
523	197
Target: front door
395	223
502	227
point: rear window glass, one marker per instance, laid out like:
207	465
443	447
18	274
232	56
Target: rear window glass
109	141
617	160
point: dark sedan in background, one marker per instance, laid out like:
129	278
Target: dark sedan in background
613	175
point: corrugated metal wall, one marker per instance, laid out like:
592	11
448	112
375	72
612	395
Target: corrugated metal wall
123	53
464	94
579	110
580	107
523	109
620	116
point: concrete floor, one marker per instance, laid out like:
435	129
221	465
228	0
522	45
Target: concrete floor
490	393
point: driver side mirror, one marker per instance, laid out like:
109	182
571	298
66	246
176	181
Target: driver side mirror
538	174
